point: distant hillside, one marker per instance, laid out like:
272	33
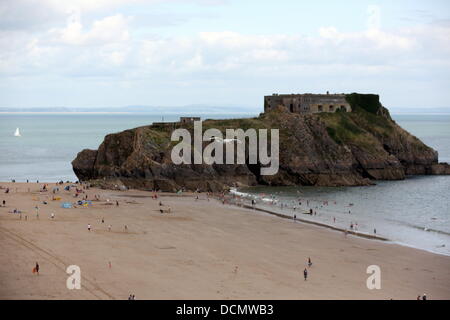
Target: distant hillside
185	110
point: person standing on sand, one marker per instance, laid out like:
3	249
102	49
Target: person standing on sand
117	203
37	268
309	262
4	203
89	227
109	228
103	220
52	215
424	297
305	274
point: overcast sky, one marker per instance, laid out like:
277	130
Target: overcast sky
108	53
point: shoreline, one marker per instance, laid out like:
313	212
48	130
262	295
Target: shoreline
342	230
328	225
237	193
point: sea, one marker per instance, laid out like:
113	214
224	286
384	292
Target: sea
414	212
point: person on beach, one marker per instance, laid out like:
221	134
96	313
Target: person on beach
4	203
109	228
103	220
117	203
89	227
424	297
305	274
375	231
309	262
126	228
37	268
295	217
52	216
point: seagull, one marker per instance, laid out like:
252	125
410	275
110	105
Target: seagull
225	140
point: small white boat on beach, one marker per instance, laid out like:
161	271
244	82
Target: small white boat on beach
17	133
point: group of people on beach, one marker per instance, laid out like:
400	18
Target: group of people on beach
305	271
238	199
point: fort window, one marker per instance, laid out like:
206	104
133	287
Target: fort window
320	108
291	107
331	108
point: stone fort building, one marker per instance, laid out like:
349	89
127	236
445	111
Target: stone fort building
307	103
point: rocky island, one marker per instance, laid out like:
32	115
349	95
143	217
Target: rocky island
325	140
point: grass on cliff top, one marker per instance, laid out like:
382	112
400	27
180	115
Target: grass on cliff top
158	137
344	128
368	102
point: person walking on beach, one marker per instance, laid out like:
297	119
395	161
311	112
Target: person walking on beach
52	216
103	220
109	228
4	203
89	227
309	262
305	274
36	268
117	203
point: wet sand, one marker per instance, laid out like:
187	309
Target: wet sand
201	250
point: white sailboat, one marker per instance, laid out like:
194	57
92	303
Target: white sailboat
17	133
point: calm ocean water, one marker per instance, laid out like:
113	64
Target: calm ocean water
414	212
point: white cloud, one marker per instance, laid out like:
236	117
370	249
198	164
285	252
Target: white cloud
112	29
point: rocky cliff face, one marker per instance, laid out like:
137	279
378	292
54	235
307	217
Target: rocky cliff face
327	149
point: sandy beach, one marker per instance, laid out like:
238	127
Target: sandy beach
202	249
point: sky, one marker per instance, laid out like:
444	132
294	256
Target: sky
112	53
